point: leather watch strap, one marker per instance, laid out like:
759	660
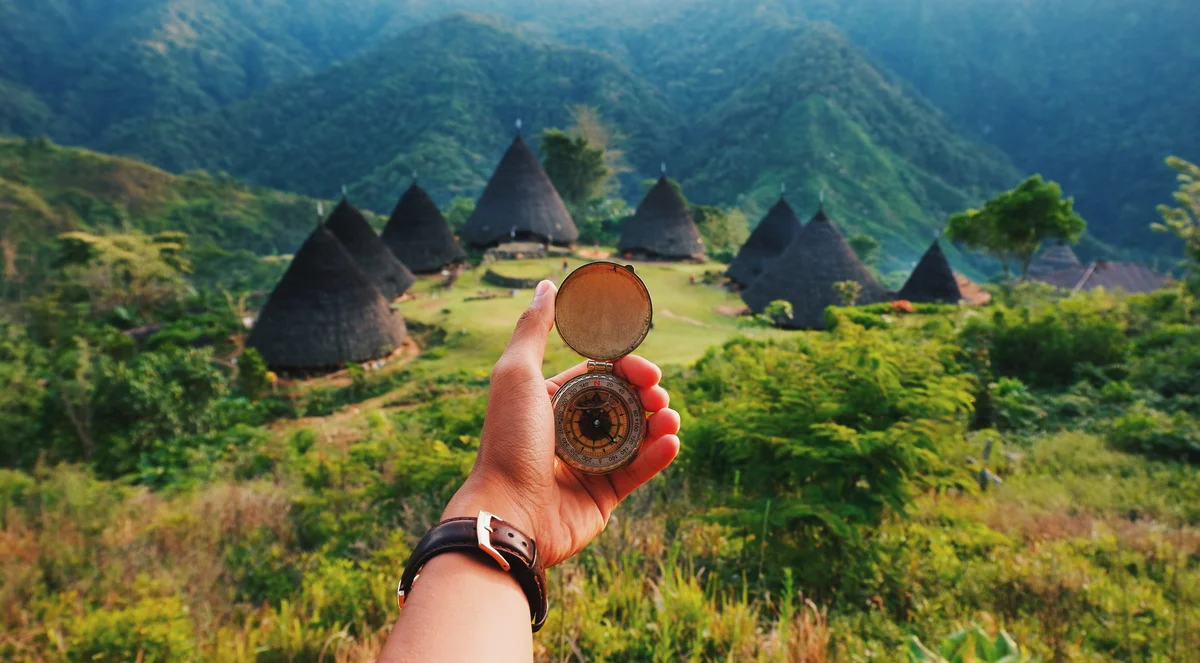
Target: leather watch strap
491	538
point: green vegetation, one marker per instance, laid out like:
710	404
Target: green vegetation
46	190
161	504
1183	219
1014	225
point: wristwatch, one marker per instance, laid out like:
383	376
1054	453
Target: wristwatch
486	536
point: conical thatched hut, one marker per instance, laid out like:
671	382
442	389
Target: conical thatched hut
324	313
662	228
1124	277
806	272
768	241
419	236
1054	259
520	204
373	258
933	281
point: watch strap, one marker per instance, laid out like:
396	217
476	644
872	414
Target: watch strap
491	538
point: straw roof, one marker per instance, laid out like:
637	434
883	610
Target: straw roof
324	313
373	258
768	241
1128	277
1054	259
804	275
419	236
662	227
520	203
932	281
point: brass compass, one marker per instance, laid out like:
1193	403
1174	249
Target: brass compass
603	312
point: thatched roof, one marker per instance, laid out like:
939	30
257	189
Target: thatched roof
972	294
804	275
520	203
419	236
1127	277
933	280
1056	258
768	241
324	313
662	227
373	258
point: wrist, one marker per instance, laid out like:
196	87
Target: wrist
477	495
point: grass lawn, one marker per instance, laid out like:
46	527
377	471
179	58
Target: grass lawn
686	317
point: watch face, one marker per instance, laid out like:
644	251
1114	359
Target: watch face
599	423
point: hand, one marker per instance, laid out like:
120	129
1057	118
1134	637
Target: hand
517	475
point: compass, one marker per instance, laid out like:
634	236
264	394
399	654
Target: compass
602	312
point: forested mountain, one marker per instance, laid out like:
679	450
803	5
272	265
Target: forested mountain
817	116
440	100
1092	94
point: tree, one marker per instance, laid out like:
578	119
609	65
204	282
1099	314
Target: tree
1183	220
577	169
129	270
864	246
459	212
1013	225
848	292
724	231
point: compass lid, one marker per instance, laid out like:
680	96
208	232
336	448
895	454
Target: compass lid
603	311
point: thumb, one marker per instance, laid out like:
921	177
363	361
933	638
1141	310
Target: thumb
528	345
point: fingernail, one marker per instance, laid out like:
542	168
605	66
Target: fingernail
541	291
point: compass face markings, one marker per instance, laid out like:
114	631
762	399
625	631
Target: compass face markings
599	423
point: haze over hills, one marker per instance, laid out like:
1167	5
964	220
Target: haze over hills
1092	94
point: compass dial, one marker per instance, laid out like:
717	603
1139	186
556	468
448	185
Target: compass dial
599	423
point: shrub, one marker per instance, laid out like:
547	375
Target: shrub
153	630
822	437
1050	347
1157	434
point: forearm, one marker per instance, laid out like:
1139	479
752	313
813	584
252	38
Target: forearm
462	609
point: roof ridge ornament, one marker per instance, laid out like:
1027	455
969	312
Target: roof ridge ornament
664	168
519	125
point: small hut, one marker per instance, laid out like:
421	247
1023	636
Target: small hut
1054	259
324	313
419	236
520	204
933	281
372	256
768	241
662	228
1126	277
806	273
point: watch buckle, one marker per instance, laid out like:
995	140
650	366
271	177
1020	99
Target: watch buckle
483	532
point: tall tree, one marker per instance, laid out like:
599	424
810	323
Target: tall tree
576	168
1183	219
1013	225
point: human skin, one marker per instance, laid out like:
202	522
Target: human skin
465	608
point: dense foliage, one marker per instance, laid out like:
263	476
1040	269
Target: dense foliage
827	503
1014	226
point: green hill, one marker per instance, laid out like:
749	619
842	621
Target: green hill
817	116
46	189
440	100
820	118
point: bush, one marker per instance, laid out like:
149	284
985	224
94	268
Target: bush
1051	347
153	630
822	437
1157	434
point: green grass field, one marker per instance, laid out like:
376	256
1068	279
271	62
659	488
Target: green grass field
688	319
